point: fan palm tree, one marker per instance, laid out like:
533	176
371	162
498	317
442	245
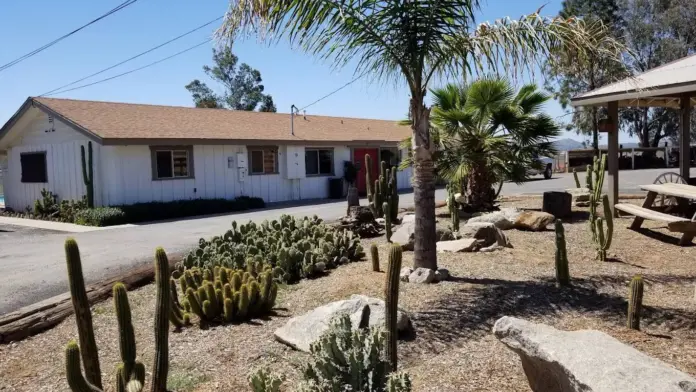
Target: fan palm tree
489	133
411	41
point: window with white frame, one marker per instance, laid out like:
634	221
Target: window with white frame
319	162
172	162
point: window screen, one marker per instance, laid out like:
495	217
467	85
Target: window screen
318	162
34	167
164	164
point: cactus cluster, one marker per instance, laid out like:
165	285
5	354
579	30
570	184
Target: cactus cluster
88	173
130	374
347	359
300	248
222	295
595	181
562	272
382	193
635	302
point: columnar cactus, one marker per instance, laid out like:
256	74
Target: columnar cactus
635	302
601	239
374	255
160	368
387	220
577	180
373	192
454	211
562	272
88	173
83	315
130	374
391	294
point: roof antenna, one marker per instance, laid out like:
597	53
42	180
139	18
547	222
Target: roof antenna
293	110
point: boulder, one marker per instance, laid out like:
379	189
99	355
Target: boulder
579	194
422	275
405	235
462	245
404	273
587	361
558	204
441	274
443	234
491	248
486	233
301	331
360	214
503	219
534	220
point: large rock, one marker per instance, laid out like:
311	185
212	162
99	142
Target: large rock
405	235
360	214
443	234
462	245
301	331
585	361
444	212
422	275
503	219
486	233
534	220
408	218
579	194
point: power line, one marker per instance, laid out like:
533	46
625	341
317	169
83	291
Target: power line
55	41
335	91
132	70
134	57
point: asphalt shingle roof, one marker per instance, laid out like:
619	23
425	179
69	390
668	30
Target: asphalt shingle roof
126	121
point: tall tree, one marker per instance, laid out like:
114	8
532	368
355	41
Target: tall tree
570	74
243	88
410	41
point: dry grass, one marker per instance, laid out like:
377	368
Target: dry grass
453	349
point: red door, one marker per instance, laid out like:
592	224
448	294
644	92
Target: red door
359	160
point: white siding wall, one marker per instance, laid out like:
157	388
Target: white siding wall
64	168
128	175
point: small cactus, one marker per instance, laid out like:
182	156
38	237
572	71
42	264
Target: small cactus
391	294
83	315
454	211
562	273
387	221
374	255
635	302
577	180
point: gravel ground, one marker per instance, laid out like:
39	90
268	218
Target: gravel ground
452	348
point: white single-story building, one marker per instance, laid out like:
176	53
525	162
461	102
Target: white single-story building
148	153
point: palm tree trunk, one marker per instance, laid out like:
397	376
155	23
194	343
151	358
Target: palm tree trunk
479	187
423	181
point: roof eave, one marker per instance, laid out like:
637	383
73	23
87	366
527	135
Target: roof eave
673	90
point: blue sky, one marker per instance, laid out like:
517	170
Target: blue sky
291	77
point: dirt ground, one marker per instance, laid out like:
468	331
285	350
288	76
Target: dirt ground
452	348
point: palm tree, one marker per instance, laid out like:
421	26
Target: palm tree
411	41
489	133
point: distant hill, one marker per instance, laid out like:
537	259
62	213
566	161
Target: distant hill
567	144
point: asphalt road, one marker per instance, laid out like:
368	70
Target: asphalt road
32	264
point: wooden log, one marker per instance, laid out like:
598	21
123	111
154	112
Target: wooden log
33	319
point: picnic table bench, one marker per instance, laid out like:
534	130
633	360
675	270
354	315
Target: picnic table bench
681	192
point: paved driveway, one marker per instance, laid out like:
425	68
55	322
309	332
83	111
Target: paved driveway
32	265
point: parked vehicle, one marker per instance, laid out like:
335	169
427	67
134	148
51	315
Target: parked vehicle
545	167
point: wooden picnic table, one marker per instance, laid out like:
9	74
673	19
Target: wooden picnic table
683	193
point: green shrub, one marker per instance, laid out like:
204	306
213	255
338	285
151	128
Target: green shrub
100	216
298	248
